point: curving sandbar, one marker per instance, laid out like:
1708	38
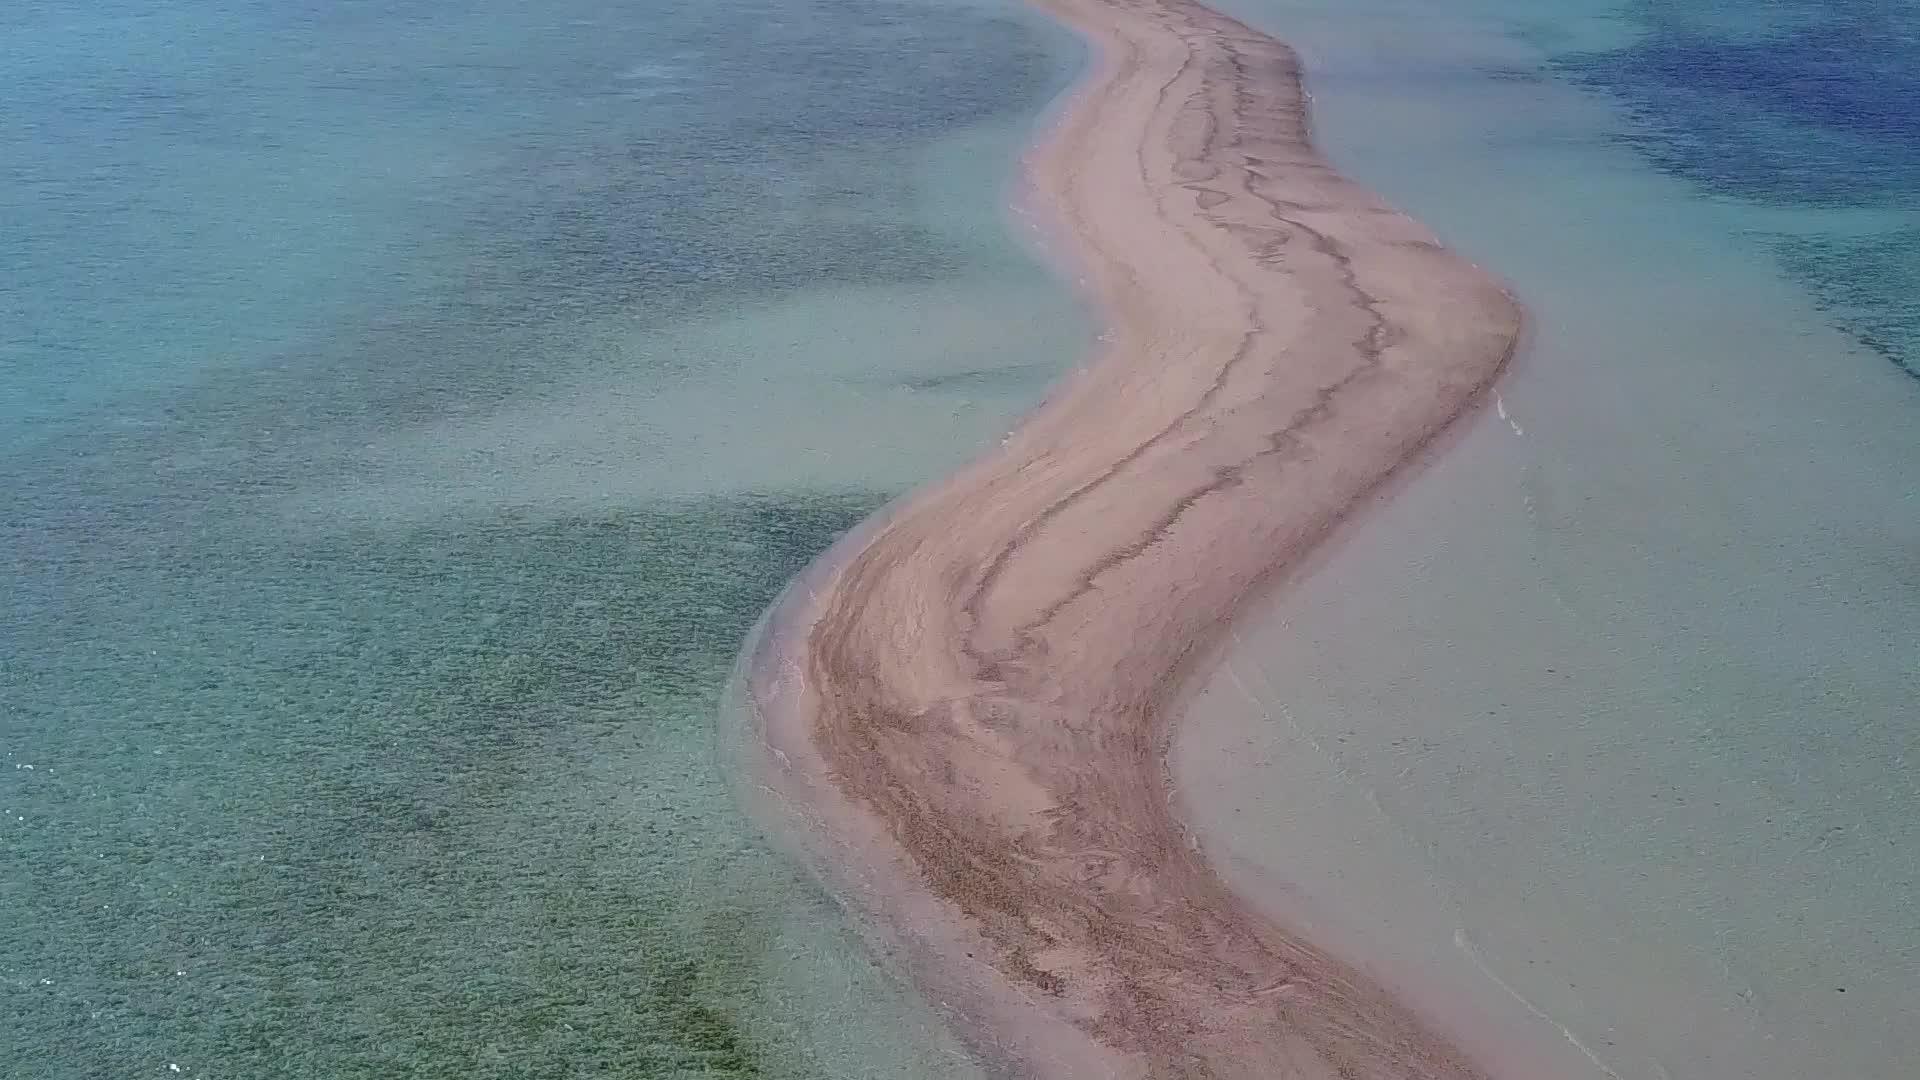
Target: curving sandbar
966	706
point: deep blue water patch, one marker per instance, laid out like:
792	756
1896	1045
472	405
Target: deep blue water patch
1801	103
1820	105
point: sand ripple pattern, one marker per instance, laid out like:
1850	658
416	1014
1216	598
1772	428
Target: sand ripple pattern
968	707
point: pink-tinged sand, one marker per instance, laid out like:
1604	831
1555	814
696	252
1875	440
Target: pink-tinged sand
965	707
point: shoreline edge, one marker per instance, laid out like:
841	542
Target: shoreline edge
960	712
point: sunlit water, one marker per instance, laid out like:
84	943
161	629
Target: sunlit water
1600	734
408	408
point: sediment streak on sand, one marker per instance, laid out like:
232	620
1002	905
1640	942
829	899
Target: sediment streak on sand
967	708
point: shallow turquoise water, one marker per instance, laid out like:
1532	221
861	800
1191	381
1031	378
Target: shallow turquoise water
408	409
1597	735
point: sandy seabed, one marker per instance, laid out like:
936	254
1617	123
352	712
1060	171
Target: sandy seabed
963	710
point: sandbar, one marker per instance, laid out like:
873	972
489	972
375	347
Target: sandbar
962	712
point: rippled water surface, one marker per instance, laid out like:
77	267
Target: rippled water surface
1810	106
408	409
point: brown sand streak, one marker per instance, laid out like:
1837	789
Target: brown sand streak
969	711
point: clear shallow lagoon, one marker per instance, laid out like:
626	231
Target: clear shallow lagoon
405	411
1600	734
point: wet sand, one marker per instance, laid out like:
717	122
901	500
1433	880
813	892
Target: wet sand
965	707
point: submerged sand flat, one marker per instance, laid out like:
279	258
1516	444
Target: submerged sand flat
967	706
